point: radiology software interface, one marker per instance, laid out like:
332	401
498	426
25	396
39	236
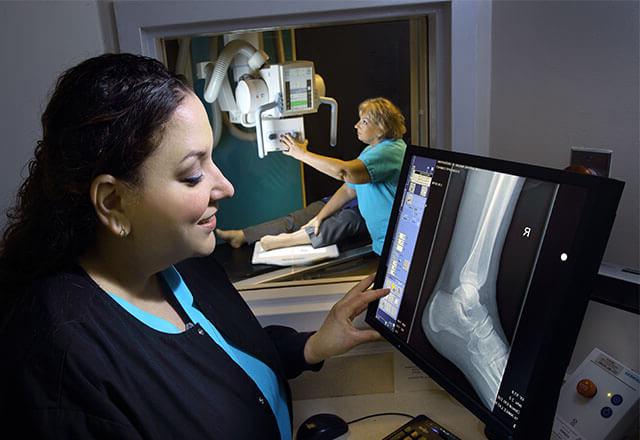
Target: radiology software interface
412	207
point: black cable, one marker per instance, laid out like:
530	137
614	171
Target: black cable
381	414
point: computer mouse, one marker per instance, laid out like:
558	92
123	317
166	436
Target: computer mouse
322	427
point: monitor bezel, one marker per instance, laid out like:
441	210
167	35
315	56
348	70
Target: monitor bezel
603	195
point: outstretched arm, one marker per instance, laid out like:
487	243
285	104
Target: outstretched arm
343	195
352	171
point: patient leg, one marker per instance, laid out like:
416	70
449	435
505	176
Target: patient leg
461	319
281	225
296	238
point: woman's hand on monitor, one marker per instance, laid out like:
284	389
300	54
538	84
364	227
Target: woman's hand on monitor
337	335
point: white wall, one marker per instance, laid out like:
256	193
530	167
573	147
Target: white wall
39	40
566	73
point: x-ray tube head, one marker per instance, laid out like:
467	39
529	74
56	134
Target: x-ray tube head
275	91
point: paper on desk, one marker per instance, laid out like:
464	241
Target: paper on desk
408	377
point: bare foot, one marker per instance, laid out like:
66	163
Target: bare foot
235	237
296	238
269	242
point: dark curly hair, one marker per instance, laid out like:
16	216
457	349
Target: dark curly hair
106	116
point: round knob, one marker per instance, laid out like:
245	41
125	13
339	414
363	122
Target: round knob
587	388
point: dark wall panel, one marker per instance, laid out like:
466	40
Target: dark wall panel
356	61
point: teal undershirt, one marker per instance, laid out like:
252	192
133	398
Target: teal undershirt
258	371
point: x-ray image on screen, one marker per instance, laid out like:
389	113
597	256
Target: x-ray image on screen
484	230
461	319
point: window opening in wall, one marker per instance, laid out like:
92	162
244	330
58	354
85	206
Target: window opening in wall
355	60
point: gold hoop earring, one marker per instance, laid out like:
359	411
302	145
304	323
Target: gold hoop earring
123	233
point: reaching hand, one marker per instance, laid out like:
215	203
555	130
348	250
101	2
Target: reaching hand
315	223
294	148
337	334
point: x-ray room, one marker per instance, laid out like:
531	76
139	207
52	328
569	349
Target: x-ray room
270	184
244	137
328	220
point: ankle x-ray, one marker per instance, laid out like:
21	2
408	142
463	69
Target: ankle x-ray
477	234
461	319
491	227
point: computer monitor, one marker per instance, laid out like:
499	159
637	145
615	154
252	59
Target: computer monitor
490	265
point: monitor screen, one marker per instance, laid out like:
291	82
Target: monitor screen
488	263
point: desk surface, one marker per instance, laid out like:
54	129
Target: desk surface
435	404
